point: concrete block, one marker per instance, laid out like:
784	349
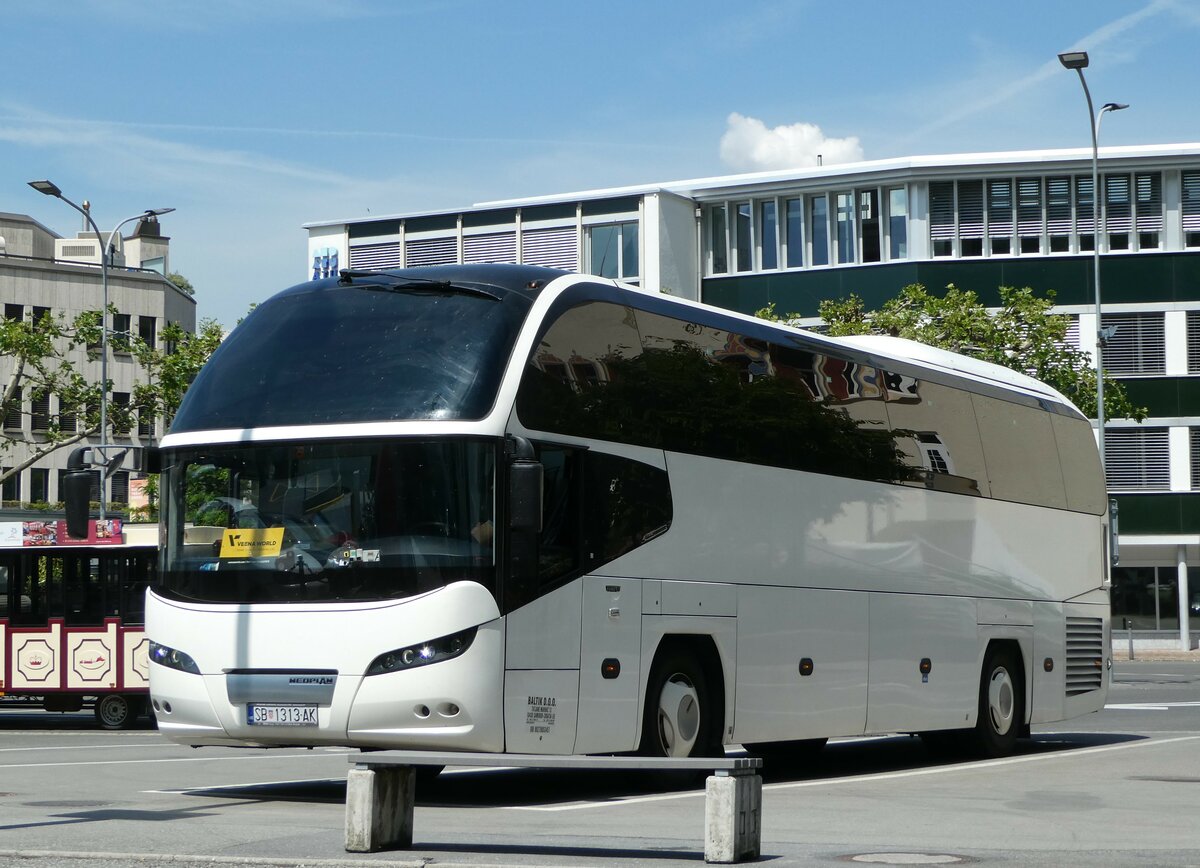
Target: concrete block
380	804
732	818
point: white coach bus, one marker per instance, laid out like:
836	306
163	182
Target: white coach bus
505	508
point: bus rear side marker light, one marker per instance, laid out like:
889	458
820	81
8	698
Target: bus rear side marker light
610	668
806	667
926	666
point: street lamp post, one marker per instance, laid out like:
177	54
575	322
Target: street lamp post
1078	61
49	188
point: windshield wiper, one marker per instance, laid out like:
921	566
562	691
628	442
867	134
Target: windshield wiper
396	283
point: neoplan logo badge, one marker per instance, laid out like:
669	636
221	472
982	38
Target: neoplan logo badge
252	542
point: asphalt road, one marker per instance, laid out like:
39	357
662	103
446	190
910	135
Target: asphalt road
1118	788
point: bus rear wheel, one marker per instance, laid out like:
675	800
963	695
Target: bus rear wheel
116	711
1001	705
679	709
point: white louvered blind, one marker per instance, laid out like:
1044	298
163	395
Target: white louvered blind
493	247
1195	455
1138	346
1029	206
1085	206
431	251
1000	210
1193	341
1137	459
1058	206
385	254
552	248
1118	210
1191	202
970	209
941	210
1148	200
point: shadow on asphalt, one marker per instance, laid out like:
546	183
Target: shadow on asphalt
491	788
14	716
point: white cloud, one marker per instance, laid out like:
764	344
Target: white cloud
748	146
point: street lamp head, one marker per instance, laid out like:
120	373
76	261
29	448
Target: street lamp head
47	187
1114	106
156	212
1074	59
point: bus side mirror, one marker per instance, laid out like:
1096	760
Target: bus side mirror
77	493
525	496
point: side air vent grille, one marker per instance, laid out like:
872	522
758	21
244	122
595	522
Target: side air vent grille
1085	655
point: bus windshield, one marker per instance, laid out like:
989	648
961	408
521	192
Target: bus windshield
350	520
328	354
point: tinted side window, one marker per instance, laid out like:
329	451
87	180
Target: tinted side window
626	503
688	387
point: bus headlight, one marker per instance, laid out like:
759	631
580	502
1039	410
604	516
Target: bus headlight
433	651
172	659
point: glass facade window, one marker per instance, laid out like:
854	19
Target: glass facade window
1147	598
613	250
870	225
819	209
717	239
120	332
1085	213
1000	216
845	227
1190	208
769	235
794	233
1058	214
743	238
1029	214
39	485
1148	209
1118	211
898	223
970	218
10	488
941	217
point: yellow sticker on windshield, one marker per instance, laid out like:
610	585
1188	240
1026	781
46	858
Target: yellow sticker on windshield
252	542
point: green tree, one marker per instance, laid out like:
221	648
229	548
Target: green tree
42	358
182	282
1022	334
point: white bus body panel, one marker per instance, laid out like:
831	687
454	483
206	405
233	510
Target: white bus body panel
774	701
303	637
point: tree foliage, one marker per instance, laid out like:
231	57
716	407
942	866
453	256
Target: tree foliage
1022	334
45	356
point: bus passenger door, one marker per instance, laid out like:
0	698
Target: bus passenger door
609	659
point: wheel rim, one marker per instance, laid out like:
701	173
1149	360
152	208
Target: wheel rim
678	716
113	710
1001	700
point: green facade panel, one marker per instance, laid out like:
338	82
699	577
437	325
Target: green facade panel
1167	513
1126	278
1165	396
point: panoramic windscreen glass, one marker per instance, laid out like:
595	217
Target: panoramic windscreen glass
330	520
373	351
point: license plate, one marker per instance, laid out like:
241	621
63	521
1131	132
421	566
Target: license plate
281	715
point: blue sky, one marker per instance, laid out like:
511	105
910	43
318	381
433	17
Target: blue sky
252	118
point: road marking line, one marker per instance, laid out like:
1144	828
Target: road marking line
90	746
190	759
860	779
1151	706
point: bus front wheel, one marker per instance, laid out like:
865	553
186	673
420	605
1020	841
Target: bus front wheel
679	708
116	711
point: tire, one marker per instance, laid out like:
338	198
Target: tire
1001	705
680	718
116	711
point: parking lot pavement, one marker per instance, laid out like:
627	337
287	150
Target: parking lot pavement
1111	789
